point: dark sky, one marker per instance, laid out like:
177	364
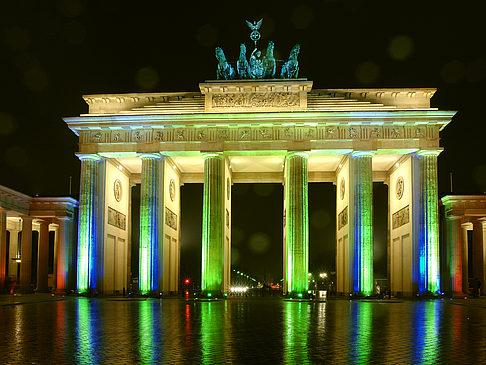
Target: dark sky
53	52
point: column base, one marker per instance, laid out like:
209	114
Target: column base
24	290
212	294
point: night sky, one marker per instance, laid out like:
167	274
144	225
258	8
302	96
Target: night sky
53	52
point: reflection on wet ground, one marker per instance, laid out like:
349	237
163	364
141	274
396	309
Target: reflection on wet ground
81	330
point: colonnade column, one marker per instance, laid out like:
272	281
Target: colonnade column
361	202
296	250
479	252
455	252
26	256
63	257
88	226
3	249
213	231
465	259
43	257
151	224
428	275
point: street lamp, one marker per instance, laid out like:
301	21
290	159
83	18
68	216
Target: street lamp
323	275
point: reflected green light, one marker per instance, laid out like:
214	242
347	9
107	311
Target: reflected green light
149	341
296	332
362	331
297	223
212	332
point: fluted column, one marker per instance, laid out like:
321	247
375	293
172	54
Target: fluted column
362	205
88	223
151	224
43	257
455	249
63	255
296	255
213	225
465	259
479	252
26	256
428	275
3	249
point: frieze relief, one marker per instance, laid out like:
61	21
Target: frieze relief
343	218
257	133
400	217
170	218
256	100
116	219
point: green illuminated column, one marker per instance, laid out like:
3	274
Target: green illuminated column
428	235
88	223
151	224
362	204
296	249
213	225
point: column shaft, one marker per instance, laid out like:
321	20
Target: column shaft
213	225
455	249
43	257
465	260
296	257
26	255
3	249
361	171
63	256
151	225
479	253
88	223
428	235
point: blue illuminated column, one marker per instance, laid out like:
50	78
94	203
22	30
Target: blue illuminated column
427	271
151	224
88	225
296	244
213	232
361	201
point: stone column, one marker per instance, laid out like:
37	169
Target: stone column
361	202
151	224
428	276
455	250
88	223
479	252
296	254
43	257
26	256
465	259
213	225
3	249
63	255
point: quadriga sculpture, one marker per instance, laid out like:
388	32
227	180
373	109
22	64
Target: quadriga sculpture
225	70
242	64
290	69
269	64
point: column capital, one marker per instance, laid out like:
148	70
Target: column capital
291	154
421	153
26	218
362	153
89	156
207	155
153	156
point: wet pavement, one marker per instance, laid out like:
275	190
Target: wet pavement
46	329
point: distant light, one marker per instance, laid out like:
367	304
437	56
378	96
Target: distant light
209	295
18	260
239	289
323	275
187	281
300	295
340	165
309	274
397	164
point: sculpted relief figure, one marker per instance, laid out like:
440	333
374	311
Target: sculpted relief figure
269	64
242	64
256	65
225	70
290	69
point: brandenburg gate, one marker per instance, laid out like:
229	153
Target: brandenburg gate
265	131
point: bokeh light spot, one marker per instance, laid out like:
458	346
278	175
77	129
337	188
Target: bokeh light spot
74	32
147	78
367	72
237	235
263	190
476	70
453	71
16	156
319	219
235	256
35	80
17	38
7	124
207	35
302	16
400	47
480	177
70	8
259	242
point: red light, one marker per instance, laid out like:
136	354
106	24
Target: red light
186	281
